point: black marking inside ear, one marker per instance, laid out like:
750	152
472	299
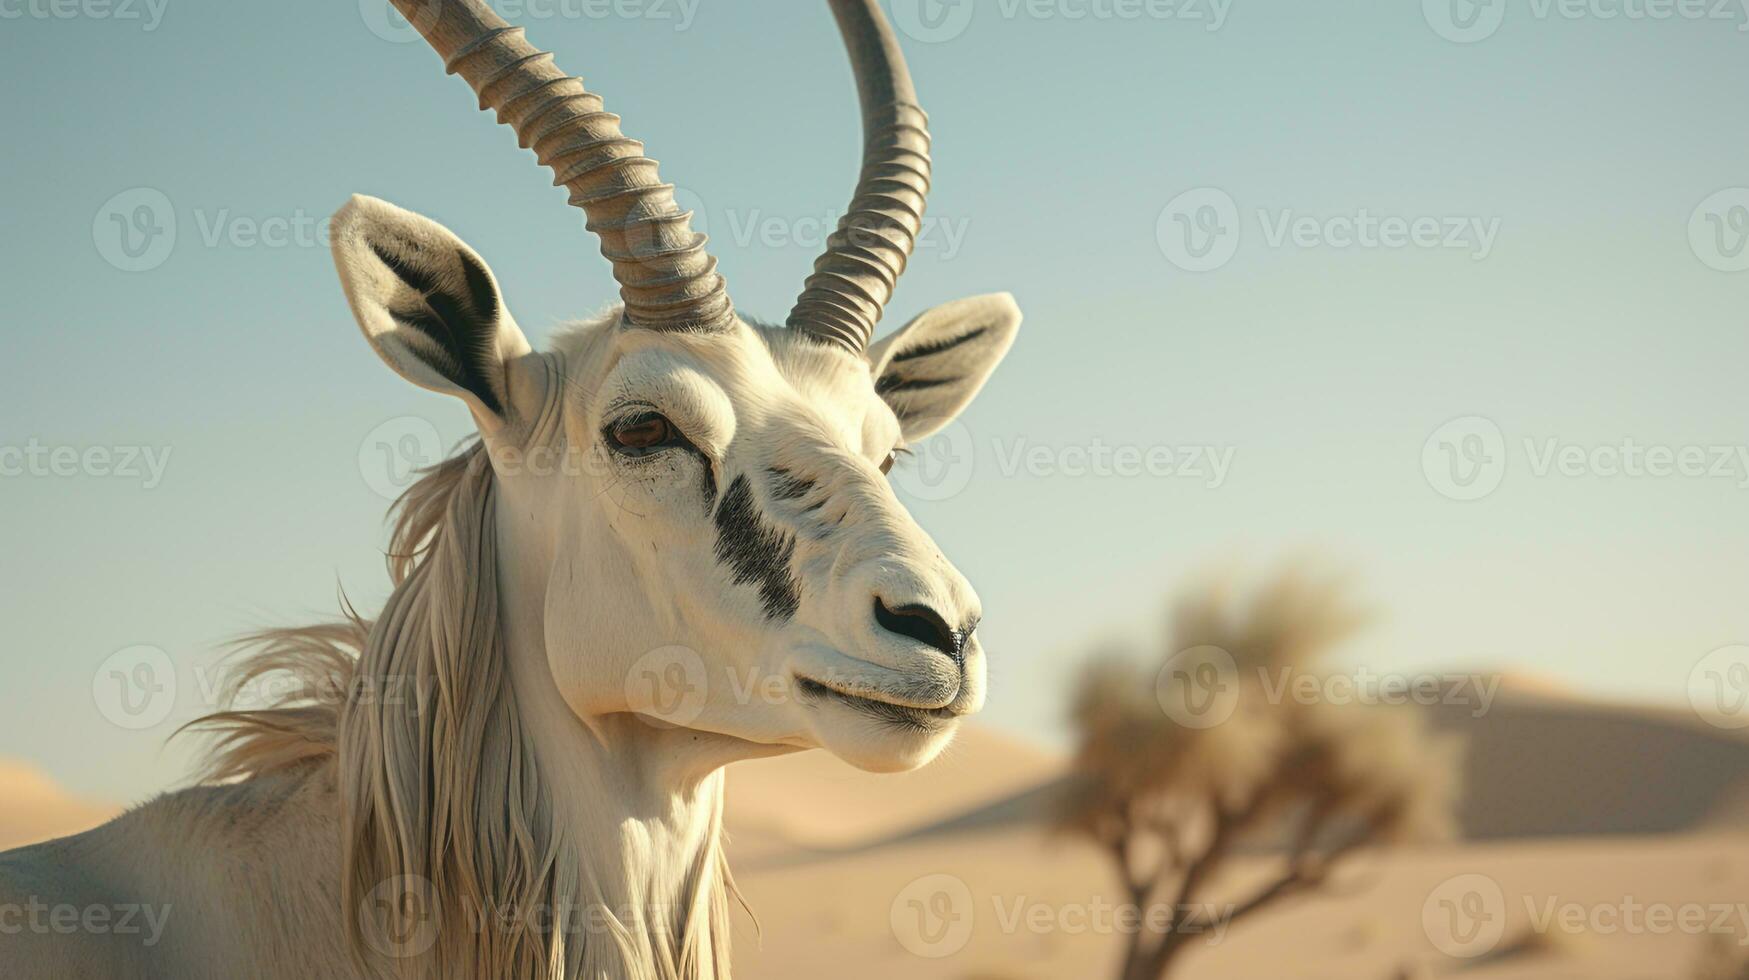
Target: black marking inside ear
756	552
463	327
890	383
936	347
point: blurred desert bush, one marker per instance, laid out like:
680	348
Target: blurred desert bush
1196	755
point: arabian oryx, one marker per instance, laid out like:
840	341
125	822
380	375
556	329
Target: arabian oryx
477	783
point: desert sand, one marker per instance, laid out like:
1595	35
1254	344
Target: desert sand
1579	821
1577	818
1034	909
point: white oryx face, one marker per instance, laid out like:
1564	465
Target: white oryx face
699	500
707	512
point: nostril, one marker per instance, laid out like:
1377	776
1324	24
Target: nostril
924	625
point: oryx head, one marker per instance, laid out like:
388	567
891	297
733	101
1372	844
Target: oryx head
694	496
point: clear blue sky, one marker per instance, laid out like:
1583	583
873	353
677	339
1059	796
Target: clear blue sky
1585	144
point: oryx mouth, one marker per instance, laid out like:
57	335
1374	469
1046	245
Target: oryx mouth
900	715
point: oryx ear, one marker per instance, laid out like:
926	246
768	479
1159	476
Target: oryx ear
427	304
929	369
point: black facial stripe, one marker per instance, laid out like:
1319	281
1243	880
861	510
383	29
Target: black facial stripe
463	334
890	383
786	486
756	552
924	350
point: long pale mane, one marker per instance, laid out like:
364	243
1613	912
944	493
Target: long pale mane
443	818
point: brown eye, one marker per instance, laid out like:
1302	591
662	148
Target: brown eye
887	464
641	433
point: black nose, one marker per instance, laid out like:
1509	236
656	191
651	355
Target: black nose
924	625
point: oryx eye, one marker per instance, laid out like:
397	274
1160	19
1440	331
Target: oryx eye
641	433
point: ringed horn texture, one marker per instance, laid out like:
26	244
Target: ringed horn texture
667	279
852	281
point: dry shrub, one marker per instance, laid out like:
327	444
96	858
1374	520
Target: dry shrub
1172	798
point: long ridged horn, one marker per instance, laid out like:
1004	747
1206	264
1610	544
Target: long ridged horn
667	279
852	281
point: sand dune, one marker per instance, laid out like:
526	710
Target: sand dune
36	808
1540	763
1028	904
1652	806
1545	765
